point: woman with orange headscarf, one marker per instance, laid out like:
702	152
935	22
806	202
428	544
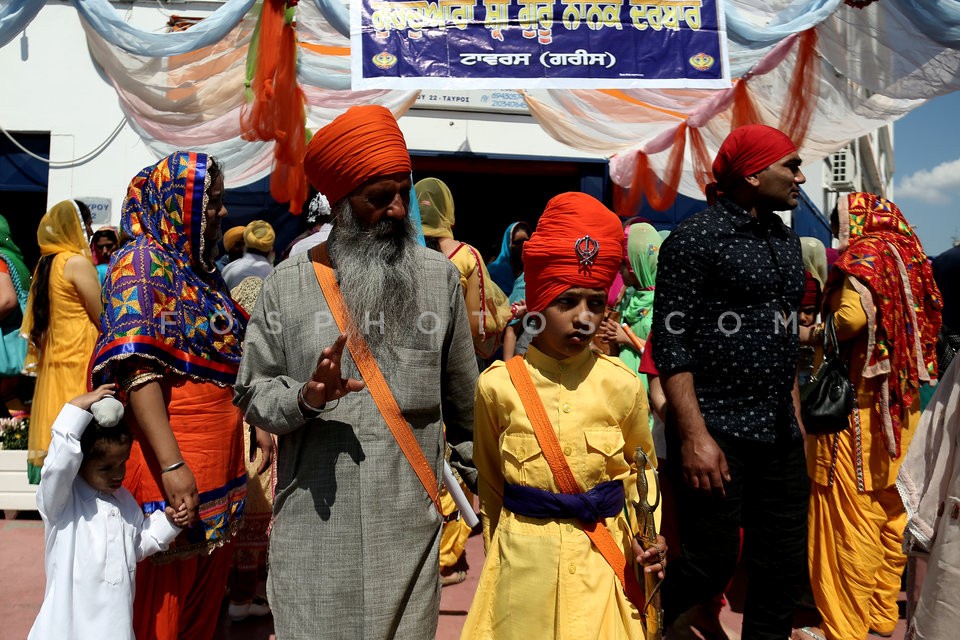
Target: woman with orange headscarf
60	322
886	312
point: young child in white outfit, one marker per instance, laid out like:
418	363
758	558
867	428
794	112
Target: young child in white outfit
95	531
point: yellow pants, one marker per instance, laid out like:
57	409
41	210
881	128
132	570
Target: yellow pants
453	539
856	557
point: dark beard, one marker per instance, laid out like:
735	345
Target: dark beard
376	269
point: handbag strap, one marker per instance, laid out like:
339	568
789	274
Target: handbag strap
831	344
547	438
373	377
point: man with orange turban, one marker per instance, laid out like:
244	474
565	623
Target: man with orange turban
354	546
729	286
561	565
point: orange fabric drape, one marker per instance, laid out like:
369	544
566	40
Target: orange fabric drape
744	110
803	92
659	193
702	170
278	111
794	122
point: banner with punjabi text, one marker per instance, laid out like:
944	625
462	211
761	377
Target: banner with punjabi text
538	44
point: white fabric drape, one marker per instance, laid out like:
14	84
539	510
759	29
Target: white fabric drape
876	64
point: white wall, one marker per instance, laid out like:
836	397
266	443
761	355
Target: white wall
482	133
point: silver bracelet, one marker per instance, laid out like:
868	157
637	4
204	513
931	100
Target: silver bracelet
173	467
309	407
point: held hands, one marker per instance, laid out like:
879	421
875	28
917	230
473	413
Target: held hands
704	465
180	489
86	400
654	559
326	385
179	518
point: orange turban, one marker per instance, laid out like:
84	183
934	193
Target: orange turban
747	150
578	243
232	237
362	143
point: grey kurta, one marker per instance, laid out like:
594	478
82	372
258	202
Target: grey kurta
353	551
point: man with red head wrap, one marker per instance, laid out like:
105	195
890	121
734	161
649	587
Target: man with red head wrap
541	540
354	546
729	285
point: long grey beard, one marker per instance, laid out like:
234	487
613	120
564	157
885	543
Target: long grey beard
377	272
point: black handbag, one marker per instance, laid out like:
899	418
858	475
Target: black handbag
827	400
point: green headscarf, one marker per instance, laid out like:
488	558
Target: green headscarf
11	254
815	260
636	307
436	208
643	250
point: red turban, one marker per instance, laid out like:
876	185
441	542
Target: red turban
578	243
362	143
747	150
811	291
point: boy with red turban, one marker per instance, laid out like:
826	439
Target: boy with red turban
555	435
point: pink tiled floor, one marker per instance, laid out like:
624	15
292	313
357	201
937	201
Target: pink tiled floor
21	593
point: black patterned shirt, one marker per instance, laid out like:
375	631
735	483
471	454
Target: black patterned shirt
728	290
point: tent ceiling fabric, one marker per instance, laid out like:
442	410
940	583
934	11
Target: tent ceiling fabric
875	65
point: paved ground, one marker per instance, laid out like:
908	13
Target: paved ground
21	558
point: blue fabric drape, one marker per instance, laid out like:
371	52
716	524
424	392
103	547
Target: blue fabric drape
336	13
325	72
747	43
798	17
939	21
109	24
15	15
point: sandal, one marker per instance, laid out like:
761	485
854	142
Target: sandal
454	578
810	633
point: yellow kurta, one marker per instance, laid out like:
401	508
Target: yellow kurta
63	359
487	306
544	578
856	525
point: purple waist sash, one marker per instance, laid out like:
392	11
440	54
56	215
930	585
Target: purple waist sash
603	501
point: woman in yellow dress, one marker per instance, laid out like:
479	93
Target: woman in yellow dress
61	321
886	311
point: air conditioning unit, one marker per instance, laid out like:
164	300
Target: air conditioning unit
841	170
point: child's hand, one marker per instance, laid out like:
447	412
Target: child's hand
608	331
654	559
90	397
180	518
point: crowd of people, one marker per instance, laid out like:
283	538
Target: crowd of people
296	417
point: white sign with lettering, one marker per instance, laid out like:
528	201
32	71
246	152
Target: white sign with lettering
497	101
99	207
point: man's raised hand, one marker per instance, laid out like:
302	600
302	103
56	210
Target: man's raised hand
326	383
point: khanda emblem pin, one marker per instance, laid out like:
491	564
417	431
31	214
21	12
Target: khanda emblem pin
587	250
